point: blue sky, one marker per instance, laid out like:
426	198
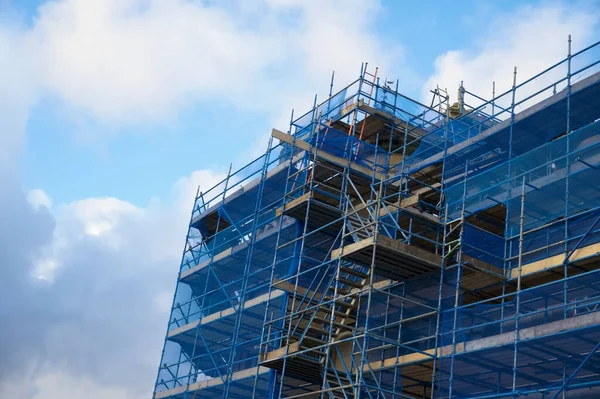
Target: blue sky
112	112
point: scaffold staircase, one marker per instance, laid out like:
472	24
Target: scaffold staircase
315	318
359	227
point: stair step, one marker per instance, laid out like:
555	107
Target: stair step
322	320
326	310
333	323
340	291
354	272
342	315
337	302
318	330
354	284
338	386
360	229
332	378
336	313
346	305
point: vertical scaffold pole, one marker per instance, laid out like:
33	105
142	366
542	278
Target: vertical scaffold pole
439	320
394	125
325	385
518	293
458	278
362	128
568	172
364	358
352	127
446	208
331	84
493	99
508	247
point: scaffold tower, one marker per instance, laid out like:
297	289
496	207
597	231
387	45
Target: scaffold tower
387	248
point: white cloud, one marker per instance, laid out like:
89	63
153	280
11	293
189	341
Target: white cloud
532	39
56	385
100	216
109	269
39	198
156	231
134	61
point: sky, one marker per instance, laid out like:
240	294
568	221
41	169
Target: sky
113	112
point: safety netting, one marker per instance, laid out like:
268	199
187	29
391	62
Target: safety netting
561	237
393	103
537	306
480	344
540	114
484	246
437	135
329	110
350	148
541	175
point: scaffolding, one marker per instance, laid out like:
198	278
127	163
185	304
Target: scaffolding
386	248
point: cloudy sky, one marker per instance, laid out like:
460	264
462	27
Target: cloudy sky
112	112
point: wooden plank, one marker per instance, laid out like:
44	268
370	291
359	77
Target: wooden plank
555	261
409	250
387	243
351	248
410	201
374	111
317	215
202	265
418	194
428	217
278	353
293	203
292	289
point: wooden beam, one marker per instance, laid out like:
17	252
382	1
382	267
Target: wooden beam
555	261
293	203
278	353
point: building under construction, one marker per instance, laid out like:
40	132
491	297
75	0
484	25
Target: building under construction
386	248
